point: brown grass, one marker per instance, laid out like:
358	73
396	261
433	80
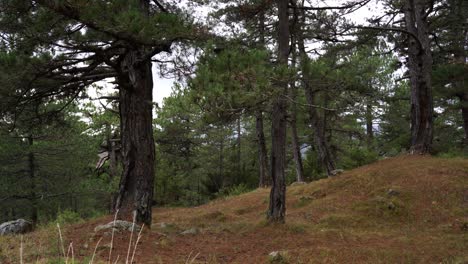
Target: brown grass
347	219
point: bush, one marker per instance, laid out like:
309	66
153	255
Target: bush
357	156
68	216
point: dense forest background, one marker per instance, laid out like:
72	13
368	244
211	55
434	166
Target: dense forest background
348	103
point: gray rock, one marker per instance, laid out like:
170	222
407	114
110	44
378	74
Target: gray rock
336	172
278	257
392	192
191	231
19	226
119	225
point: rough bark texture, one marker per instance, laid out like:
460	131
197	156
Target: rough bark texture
277	206
262	152
420	67
136	184
319	135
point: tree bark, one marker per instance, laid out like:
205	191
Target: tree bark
262	152
277	206
420	67
464	111
369	125
136	185
32	179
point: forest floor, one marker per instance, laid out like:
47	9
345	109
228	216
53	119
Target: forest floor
401	210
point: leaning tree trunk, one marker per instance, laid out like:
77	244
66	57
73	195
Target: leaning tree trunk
277	206
420	67
319	135
136	185
262	151
296	146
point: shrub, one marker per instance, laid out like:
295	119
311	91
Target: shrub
68	216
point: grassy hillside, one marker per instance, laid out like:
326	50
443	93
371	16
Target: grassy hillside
400	210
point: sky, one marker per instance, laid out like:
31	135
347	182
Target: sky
163	86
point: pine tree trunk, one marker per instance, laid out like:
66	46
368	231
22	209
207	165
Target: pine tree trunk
138	152
464	110
262	152
277	206
369	125
296	146
420	67
317	124
32	178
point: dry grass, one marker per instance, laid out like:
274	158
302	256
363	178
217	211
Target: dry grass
347	219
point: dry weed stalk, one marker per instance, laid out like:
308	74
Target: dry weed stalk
112	239
95	249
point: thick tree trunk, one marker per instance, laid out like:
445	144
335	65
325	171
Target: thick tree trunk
136	185
32	179
420	67
277	207
262	152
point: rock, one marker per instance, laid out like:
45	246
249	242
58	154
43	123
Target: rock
298	183
191	231
392	192
278	257
336	172
163	225
120	225
19	226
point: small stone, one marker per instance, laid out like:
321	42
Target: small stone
163	225
119	225
336	172
298	183
392	192
191	231
278	257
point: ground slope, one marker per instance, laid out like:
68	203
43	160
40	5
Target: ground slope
401	210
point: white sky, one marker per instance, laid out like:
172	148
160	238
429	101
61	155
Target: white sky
163	87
